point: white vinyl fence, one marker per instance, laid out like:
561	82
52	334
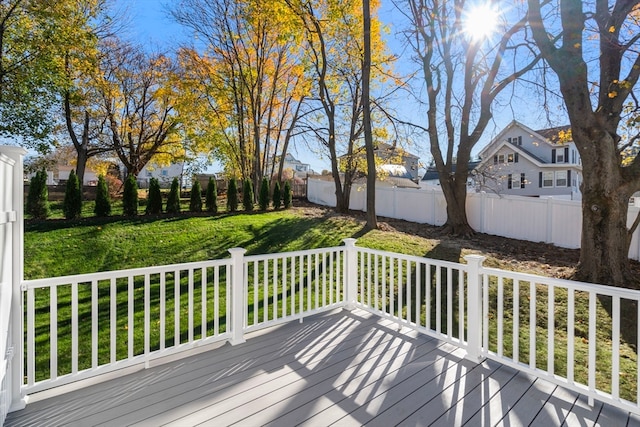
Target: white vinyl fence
548	220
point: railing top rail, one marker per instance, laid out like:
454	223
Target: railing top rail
624	293
106	275
278	255
415	258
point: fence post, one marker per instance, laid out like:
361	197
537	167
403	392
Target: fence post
238	305
474	308
351	273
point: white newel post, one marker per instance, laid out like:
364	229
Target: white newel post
238	305
16	219
474	308
351	273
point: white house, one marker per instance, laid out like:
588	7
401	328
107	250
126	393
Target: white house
300	170
164	174
521	161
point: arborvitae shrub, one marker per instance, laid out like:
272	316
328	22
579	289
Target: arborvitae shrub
211	201
38	197
103	202
277	196
247	195
130	196
195	203
173	202
263	197
154	200
232	195
72	204
286	197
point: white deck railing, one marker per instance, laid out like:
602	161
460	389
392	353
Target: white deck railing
134	316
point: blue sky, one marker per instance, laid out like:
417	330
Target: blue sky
151	26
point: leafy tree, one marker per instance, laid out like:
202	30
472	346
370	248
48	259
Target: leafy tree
232	195
287	196
277	196
248	80
195	203
463	76
72	204
137	95
154	203
173	201
594	50
130	196
103	202
211	201
38	197
264	195
247	195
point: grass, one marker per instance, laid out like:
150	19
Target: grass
55	248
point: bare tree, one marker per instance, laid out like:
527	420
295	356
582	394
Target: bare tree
372	220
463	76
593	48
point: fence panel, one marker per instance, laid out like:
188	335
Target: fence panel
549	220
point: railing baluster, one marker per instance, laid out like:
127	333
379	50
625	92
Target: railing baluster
571	313
147	314
418	277
293	285
203	298
113	296
551	330
427	296
449	302
376	282
592	342
439	299
516	321
190	305
532	325
615	353
163	309
74	327
301	284
500	316
130	301
331	282
53	333
392	275
485	312
384	284
216	299
31	339
284	287
256	292
409	300
461	306
176	308
276	289
94	323
265	273
317	281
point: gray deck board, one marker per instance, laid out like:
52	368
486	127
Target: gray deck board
341	368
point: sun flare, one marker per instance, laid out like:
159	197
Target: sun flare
480	22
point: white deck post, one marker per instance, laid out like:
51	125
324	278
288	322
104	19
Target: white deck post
238	304
15	219
474	308
351	273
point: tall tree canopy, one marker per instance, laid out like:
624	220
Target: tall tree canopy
463	73
34	35
594	49
243	80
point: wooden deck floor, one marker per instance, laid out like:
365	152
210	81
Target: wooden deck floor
344	369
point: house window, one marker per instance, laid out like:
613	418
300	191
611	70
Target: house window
516	140
547	179
501	158
510	158
523	180
165	172
510	182
560	158
561	178
495	160
149	174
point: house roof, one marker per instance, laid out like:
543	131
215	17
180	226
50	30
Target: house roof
383	146
553	134
432	173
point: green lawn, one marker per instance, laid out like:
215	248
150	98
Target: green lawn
57	247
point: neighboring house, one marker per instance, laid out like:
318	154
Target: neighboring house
431	176
521	161
164	174
390	156
59	175
300	170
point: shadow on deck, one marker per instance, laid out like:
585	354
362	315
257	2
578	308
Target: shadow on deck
342	368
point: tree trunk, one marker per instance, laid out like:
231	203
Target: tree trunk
455	194
604	254
372	220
